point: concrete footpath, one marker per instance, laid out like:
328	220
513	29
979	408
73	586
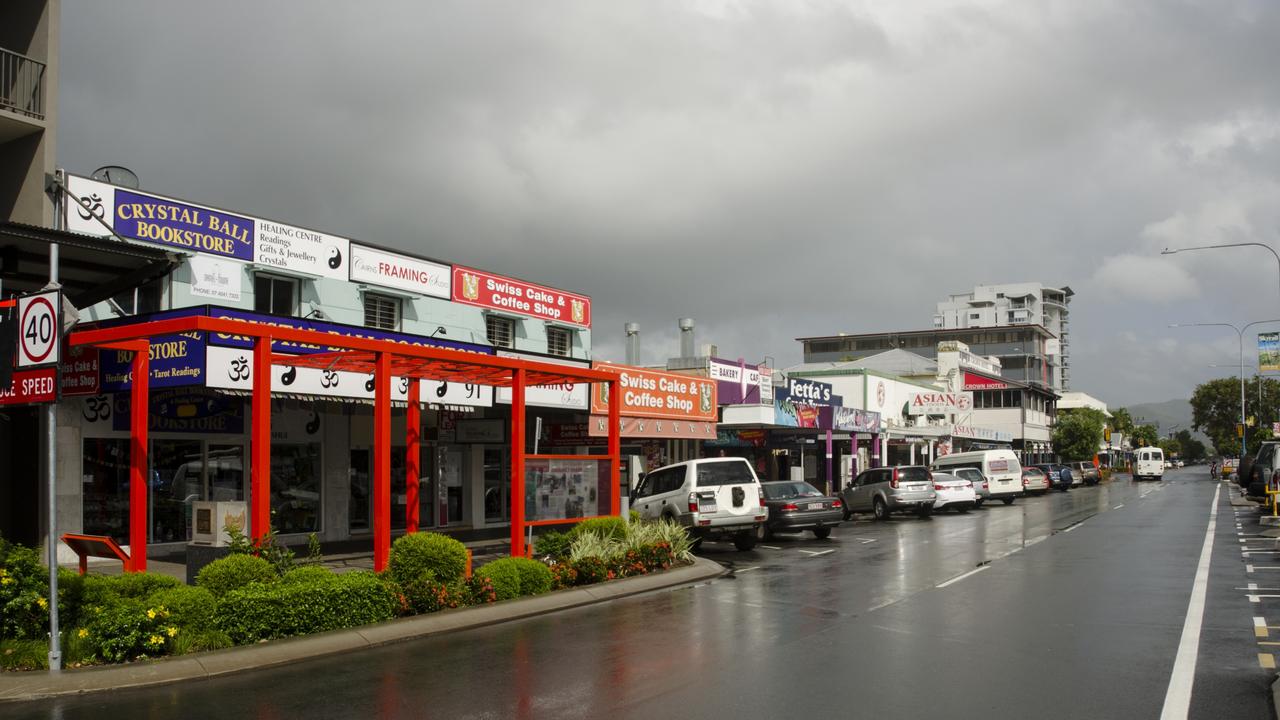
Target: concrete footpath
33	685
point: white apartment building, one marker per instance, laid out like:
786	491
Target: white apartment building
1030	303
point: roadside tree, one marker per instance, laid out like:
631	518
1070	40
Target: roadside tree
1145	436
1192	449
1078	433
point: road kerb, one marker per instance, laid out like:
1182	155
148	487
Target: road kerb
36	685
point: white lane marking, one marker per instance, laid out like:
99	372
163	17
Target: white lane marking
771	547
1177	699
811	553
747	569
958	578
1252	586
1035	540
1073	527
1248	568
1118	506
1259	622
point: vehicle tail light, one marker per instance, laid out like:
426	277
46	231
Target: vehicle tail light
761	491
693	502
986	485
936	486
968	484
836	504
790	507
893	480
1025	481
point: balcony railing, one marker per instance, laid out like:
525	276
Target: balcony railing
21	84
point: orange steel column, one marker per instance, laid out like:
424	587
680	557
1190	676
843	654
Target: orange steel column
260	444
381	461
412	428
615	447
517	462
139	467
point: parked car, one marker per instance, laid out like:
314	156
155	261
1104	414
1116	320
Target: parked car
1000	469
953	493
799	506
1256	471
1148	463
980	486
1179	463
711	498
1034	481
1059	475
1087	472
884	491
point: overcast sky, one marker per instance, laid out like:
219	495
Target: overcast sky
774	170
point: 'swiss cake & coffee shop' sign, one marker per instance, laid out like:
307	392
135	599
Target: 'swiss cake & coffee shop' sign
494	292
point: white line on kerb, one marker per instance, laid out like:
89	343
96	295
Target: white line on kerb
958	578
1073	527
1177	699
1118	506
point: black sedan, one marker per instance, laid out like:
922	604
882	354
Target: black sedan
799	506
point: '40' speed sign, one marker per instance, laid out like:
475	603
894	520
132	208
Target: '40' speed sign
38	329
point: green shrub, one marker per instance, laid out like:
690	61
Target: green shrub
267	547
127	628
24	594
261	611
552	544
306	574
610	527
596	545
534	576
138	586
234	572
480	590
589	570
200	641
427	595
24	654
504	576
416	553
190	608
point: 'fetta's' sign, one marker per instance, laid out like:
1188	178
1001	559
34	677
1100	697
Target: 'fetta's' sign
482	289
388	269
652	394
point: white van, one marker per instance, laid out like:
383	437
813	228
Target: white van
1148	464
1001	469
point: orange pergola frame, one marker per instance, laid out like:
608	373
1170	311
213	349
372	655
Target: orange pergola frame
383	359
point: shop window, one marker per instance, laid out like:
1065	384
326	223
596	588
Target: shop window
559	341
500	331
295	487
105	477
140	300
275	295
381	312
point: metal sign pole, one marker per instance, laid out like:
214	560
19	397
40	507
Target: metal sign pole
51	456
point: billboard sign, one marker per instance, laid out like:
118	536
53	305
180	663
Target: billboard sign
1269	352
494	292
654	394
813	392
400	272
939	403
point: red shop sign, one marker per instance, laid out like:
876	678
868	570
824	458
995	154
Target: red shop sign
476	287
80	371
31	386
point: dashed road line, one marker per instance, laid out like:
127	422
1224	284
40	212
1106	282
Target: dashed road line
771	547
746	569
1118	506
1073	527
958	578
812	553
1259	627
1267	660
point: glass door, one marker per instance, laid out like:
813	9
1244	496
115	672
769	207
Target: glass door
360	503
497	479
176	481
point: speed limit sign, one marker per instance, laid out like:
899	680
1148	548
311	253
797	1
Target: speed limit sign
38	329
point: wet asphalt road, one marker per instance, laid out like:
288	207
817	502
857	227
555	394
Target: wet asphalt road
1076	611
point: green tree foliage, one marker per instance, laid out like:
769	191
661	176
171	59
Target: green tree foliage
1171	447
1192	449
1145	436
1215	410
1078	433
1121	422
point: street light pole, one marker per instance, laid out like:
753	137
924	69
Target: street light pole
1172	251
1240	338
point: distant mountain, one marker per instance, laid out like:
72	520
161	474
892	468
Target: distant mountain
1168	416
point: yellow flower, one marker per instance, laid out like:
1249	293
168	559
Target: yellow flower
7	581
44	604
156	640
172	631
83	633
151	614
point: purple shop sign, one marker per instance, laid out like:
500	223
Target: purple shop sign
183	227
295	348
176	360
192	410
736	382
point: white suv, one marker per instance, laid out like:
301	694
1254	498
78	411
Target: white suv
715	497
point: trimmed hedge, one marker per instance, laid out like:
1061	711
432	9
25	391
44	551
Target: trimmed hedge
610	527
504	576
190	608
306	574
534	577
261	612
417	553
235	572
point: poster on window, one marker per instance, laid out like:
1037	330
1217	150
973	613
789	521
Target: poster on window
564	489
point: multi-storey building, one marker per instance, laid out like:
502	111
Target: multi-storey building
28	100
1014	304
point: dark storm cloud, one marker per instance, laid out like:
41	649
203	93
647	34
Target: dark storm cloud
773	170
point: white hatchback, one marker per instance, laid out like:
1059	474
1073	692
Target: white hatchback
953	492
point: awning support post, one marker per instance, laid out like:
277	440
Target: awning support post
139	411
615	447
260	444
412	430
381	461
517	462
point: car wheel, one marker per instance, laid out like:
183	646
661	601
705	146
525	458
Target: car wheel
847	515
978	503
880	510
822	533
697	543
766	532
1007	501
963	509
745	541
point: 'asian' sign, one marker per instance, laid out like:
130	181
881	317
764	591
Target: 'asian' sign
388	269
981	433
653	394
482	289
939	403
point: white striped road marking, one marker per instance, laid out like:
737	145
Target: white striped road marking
1035	540
747	569
1073	527
1177	699
771	547
1118	506
1258	598
958	578
811	553
1260	627
1248	568
865	540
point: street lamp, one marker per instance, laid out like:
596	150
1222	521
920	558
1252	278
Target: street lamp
1240	337
1172	251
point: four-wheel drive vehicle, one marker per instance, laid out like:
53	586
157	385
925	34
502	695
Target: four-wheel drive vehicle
1148	464
1087	472
1255	474
1060	476
1000	468
799	506
882	491
712	498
